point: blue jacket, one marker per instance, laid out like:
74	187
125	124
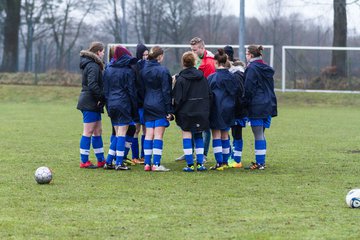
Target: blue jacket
157	81
225	88
119	90
259	90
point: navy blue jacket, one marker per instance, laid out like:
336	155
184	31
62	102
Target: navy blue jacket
225	89
259	90
157	82
120	91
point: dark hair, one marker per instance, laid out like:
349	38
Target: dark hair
197	40
255	50
155	52
221	57
96	46
188	59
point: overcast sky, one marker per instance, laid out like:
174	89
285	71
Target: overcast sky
320	11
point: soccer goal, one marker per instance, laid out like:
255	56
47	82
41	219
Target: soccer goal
173	52
308	69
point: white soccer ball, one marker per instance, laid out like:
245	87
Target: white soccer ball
43	175
353	198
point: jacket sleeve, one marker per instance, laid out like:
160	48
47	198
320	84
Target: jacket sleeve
93	76
250	84
131	78
166	90
178	95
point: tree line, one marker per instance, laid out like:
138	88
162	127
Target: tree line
42	35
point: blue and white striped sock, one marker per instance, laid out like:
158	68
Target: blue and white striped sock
98	147
85	148
148	151
120	146
260	151
238	146
128	143
112	151
199	149
217	148
157	151
225	150
187	147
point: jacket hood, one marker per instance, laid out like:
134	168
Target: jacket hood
191	74
140	49
123	61
263	69
87	56
235	69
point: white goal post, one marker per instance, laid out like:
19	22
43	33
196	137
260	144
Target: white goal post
283	74
208	46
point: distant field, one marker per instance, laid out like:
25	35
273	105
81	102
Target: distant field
313	160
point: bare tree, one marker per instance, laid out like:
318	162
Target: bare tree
11	36
66	24
340	37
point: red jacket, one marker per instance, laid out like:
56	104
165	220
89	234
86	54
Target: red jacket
207	65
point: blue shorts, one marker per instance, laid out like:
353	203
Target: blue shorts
141	116
264	122
157	123
89	117
241	122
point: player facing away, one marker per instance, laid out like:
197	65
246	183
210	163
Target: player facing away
261	101
224	88
157	108
90	103
191	104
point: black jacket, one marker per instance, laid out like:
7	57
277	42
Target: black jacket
191	100
91	97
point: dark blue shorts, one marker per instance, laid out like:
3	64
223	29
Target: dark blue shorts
157	123
264	122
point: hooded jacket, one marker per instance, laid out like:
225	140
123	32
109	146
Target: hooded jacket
224	88
120	92
259	90
157	83
192	100
91	97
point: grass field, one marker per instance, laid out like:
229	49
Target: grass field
313	160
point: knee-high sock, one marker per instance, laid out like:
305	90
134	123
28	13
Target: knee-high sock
217	148
120	146
85	143
225	150
260	151
112	151
199	149
187	147
157	151
142	146
98	147
148	151
135	147
128	143
238	146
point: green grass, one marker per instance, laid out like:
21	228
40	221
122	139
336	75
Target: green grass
312	162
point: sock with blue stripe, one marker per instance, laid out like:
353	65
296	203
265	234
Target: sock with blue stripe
260	151
199	149
217	149
128	143
238	146
157	151
187	147
112	151
225	150
98	147
148	151
135	147
85	148
120	146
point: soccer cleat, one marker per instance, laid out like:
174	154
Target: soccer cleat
101	164
109	166
138	161
122	167
218	167
234	164
255	166
147	168
189	168
159	168
129	162
225	165
181	158
88	165
201	167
